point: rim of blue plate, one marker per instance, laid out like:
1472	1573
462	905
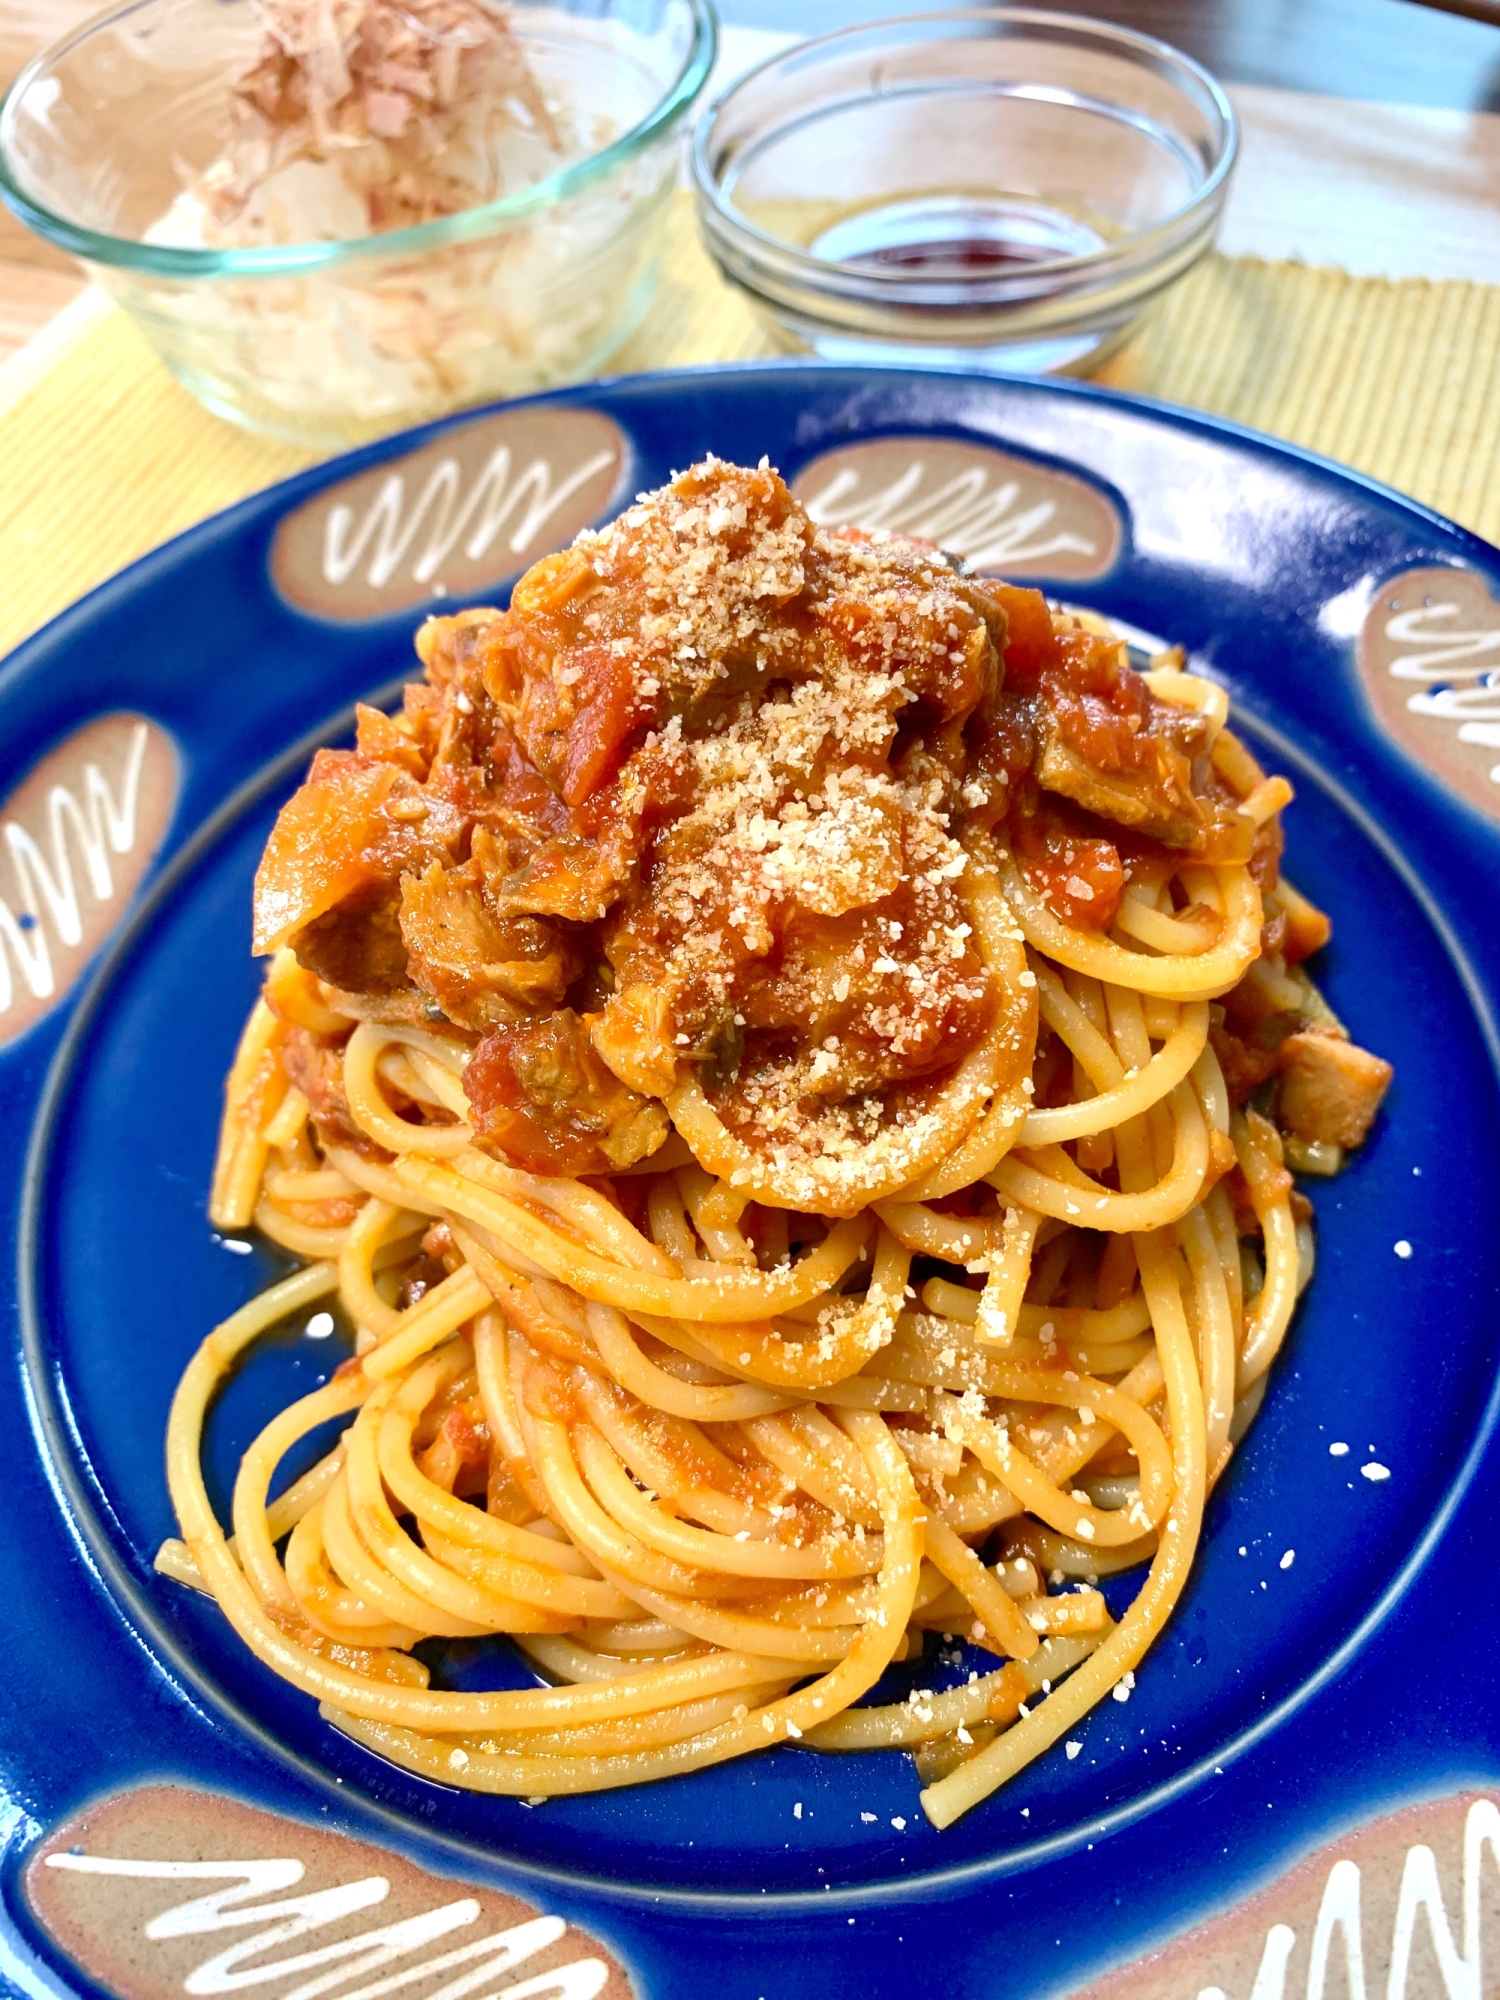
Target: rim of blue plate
131	1603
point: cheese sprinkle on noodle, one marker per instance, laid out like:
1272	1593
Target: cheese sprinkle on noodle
788	1059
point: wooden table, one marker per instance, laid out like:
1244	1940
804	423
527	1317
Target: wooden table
1372	127
36	281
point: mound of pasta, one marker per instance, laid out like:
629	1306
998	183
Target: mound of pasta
789	1058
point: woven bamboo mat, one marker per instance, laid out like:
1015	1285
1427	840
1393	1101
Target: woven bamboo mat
103	456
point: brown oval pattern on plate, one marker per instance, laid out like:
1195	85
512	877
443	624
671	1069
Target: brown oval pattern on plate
1400	1909
1429	656
453	519
169	1890
1003	514
76	837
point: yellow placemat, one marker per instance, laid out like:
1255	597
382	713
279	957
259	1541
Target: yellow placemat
103	456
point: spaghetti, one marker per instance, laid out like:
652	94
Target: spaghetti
788	1058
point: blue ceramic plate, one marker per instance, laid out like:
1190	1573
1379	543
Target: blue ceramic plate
1333	1663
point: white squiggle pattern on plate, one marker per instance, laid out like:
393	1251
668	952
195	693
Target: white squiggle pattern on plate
391	531
94	829
1443	656
466	1970
989	526
1460	1965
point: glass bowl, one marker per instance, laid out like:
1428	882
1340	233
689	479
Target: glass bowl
104	137
1000	186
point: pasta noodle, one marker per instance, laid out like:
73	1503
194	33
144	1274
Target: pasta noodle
720	1358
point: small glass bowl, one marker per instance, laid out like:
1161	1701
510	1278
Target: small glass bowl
1000	186
323	343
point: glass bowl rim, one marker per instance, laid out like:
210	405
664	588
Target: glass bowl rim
721	214
295	259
